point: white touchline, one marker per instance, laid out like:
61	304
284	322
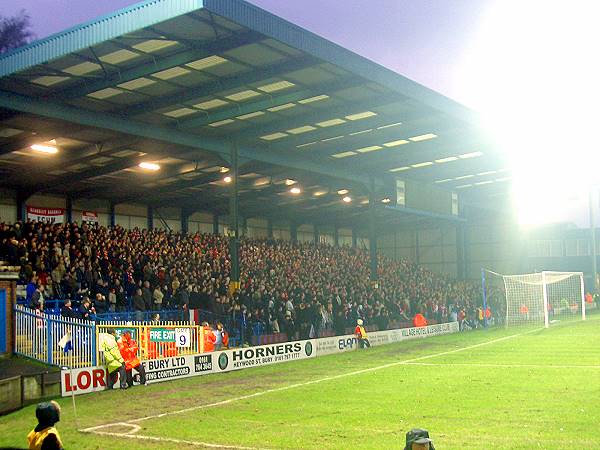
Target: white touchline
176	441
130	434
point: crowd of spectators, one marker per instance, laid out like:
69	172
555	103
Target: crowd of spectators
301	289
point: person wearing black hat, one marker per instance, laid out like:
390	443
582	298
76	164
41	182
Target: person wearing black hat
45	436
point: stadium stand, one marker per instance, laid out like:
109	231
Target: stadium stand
297	289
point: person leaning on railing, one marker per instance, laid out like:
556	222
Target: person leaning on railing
115	363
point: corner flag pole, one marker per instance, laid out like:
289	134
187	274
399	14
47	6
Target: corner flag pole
73	390
66	343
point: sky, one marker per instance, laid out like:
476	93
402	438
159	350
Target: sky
423	40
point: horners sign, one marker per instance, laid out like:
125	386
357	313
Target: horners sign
264	355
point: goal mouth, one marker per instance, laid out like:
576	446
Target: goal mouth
545	297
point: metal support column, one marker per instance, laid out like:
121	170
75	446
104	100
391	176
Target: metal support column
234	283
185	216
372	233
112	215
461	252
215	223
354	237
69	210
593	240
336	236
243	226
21	206
294	232
269	228
150	215
316	234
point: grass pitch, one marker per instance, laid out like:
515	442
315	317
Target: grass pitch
515	388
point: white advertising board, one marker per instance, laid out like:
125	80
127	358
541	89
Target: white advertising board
93	379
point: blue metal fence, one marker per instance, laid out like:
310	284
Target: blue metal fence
37	335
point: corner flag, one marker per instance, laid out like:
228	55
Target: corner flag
65	342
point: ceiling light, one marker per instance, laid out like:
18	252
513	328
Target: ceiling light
46	147
370	148
445	160
227	179
343	154
470	155
400	169
489	172
361	115
347	199
277	86
343	191
300	130
446	180
272	137
243	95
463	177
224	169
210	104
317	98
319	193
289	182
281	107
207	62
149	166
395	143
295	190
395	124
422	137
386	200
423	164
330	123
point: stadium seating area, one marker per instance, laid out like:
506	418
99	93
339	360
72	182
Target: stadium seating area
294	288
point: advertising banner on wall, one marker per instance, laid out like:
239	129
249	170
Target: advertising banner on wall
264	355
47	215
89	216
93	379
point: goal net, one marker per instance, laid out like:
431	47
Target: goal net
544	297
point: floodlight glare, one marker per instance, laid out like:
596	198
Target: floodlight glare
44	148
538	92
295	190
227	179
149	166
347	199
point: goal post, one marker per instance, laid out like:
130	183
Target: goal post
543	297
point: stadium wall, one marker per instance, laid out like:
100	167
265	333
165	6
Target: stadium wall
93	379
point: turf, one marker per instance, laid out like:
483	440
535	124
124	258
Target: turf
522	388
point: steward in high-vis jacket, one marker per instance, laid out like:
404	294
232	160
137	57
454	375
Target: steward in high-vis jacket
129	348
44	436
115	363
209	338
361	335
419	320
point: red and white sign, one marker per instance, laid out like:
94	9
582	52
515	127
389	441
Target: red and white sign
89	216
47	215
83	381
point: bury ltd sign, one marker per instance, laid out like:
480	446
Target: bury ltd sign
93	379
